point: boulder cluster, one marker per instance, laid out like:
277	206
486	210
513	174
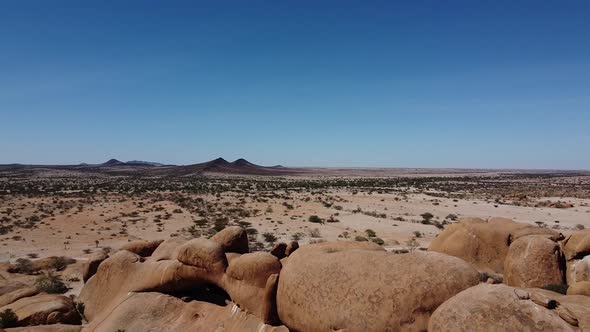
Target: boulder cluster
477	275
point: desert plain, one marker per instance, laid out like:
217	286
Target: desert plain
77	213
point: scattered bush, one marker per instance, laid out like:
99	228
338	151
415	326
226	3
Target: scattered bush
8	319
51	283
269	237
315	219
378	240
370	233
22	265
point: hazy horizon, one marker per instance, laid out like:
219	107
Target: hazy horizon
457	84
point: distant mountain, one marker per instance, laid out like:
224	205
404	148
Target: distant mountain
143	163
113	162
222	166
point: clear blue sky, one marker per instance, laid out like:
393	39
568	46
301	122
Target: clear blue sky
323	83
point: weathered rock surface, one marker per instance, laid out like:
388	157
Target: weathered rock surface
47	328
89	269
485	243
161	312
12	290
142	248
576	248
534	261
291	247
44	309
200	262
233	239
359	287
503	308
579	288
577	245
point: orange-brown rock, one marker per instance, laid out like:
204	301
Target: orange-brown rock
142	248
533	261
233	239
485	243
579	288
503	308
279	250
291	247
160	312
359	287
90	267
577	245
44	309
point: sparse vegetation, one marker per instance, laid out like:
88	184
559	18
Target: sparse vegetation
8	319
51	283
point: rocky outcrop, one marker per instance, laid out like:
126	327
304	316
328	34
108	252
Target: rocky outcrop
12	290
44	309
161	312
91	266
233	239
485	243
576	248
504	308
359	287
199	263
534	261
142	248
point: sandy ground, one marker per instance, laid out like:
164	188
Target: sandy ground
109	223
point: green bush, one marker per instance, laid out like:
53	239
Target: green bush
269	237
315	219
378	240
51	283
8	319
370	233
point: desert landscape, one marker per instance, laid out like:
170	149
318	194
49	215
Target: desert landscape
294	166
69	234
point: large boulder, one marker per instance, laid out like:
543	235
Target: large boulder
91	266
142	248
485	243
359	287
534	261
168	249
203	253
577	245
233	239
504	308
44	309
125	272
247	279
576	248
200	264
161	312
12	290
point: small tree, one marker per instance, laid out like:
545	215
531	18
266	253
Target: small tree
426	217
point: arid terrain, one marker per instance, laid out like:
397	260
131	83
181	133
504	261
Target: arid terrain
79	212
